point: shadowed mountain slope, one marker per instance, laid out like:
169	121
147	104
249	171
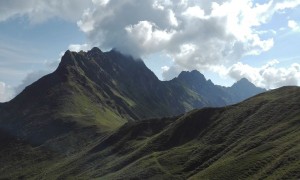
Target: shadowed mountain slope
105	90
67	115
255	139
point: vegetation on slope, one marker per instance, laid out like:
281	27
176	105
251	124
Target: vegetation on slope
67	124
256	139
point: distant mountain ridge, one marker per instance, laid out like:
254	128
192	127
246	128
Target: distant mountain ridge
244	88
108	89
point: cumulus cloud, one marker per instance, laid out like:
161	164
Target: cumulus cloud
38	11
6	92
293	25
79	47
287	4
268	76
201	35
194	34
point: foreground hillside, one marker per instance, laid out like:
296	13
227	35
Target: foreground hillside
255	139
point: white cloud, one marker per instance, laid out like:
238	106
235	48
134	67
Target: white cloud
200	35
6	92
287	4
101	2
194	34
165	68
195	12
268	76
293	25
203	35
172	18
87	22
79	47
146	37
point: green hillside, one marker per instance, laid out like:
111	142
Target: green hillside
256	139
106	115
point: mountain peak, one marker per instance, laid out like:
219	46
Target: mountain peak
67	59
243	82
94	51
244	88
193	75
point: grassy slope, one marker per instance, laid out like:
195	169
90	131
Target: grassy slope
61	102
258	138
63	119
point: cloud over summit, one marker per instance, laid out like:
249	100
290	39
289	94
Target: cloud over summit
204	35
200	34
268	76
196	35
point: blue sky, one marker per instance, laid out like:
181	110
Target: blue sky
226	40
